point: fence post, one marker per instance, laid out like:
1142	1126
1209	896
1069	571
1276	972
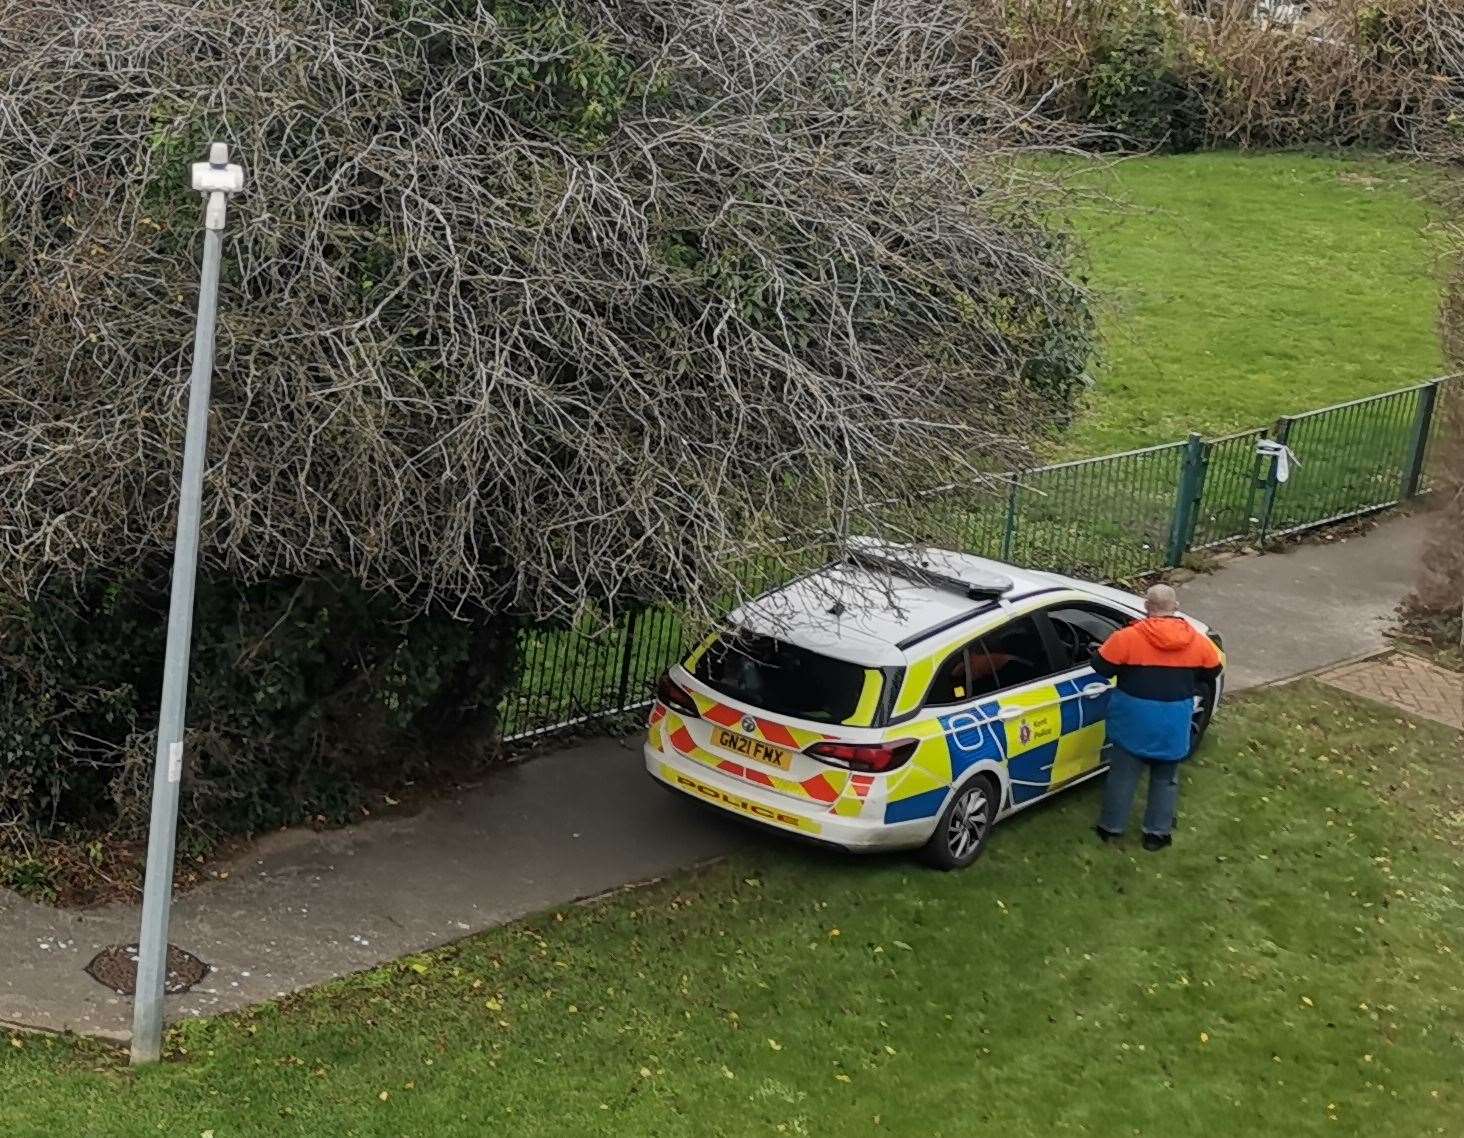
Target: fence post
1281	433
1428	398
623	691
1187	503
1009	532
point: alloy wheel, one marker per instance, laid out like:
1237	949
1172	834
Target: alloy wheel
967	828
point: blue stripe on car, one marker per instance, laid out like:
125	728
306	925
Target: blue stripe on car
918	806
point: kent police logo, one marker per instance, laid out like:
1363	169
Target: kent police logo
749	724
1025	734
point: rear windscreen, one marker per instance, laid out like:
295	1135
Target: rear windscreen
788	680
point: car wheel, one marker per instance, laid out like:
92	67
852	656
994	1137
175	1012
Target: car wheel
965	824
1200	720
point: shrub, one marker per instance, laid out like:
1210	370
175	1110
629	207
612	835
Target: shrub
1155	73
304	693
454	306
1436	606
1139	87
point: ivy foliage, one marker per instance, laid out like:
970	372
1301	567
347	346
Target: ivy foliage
1140	86
304	695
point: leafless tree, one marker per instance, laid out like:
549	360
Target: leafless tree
526	306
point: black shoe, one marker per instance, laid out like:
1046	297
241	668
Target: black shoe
1106	835
1154	842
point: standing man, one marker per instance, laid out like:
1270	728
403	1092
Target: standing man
1160	662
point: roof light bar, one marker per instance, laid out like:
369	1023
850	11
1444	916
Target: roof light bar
903	561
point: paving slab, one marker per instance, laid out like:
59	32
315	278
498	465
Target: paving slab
303	908
1409	683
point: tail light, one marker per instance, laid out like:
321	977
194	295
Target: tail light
676	697
865	756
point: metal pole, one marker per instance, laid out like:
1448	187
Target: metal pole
622	693
1428	398
1187	503
216	179
1009	531
1281	433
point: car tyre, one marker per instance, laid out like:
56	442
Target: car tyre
964	826
1204	712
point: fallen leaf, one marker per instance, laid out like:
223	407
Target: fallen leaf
775	1045
842	1078
1204	1037
384	1095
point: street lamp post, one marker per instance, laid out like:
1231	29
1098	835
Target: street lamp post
216	179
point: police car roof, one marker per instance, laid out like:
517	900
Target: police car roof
872	608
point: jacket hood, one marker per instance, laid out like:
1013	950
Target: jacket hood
1167	633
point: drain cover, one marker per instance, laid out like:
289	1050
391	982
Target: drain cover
116	968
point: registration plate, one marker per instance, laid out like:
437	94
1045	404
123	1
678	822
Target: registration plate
754	749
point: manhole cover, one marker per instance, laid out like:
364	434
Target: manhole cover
116	968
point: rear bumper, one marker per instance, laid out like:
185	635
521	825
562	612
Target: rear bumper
775	811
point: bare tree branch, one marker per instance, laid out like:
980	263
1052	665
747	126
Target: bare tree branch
525	306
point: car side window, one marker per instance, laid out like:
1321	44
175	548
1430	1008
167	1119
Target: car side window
1080	629
1013	654
1007	657
952	683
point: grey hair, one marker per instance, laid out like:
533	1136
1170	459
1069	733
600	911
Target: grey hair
1161	600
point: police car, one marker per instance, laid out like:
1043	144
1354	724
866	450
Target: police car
903	698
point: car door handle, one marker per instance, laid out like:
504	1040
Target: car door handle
1007	714
1093	691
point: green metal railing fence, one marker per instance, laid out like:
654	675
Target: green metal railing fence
1112	518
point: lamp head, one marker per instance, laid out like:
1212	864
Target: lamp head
218	174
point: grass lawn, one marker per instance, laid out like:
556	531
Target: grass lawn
1291	966
1236	288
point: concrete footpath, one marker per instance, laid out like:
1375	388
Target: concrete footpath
1313	606
303	908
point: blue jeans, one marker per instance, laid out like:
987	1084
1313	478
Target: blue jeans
1123	782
